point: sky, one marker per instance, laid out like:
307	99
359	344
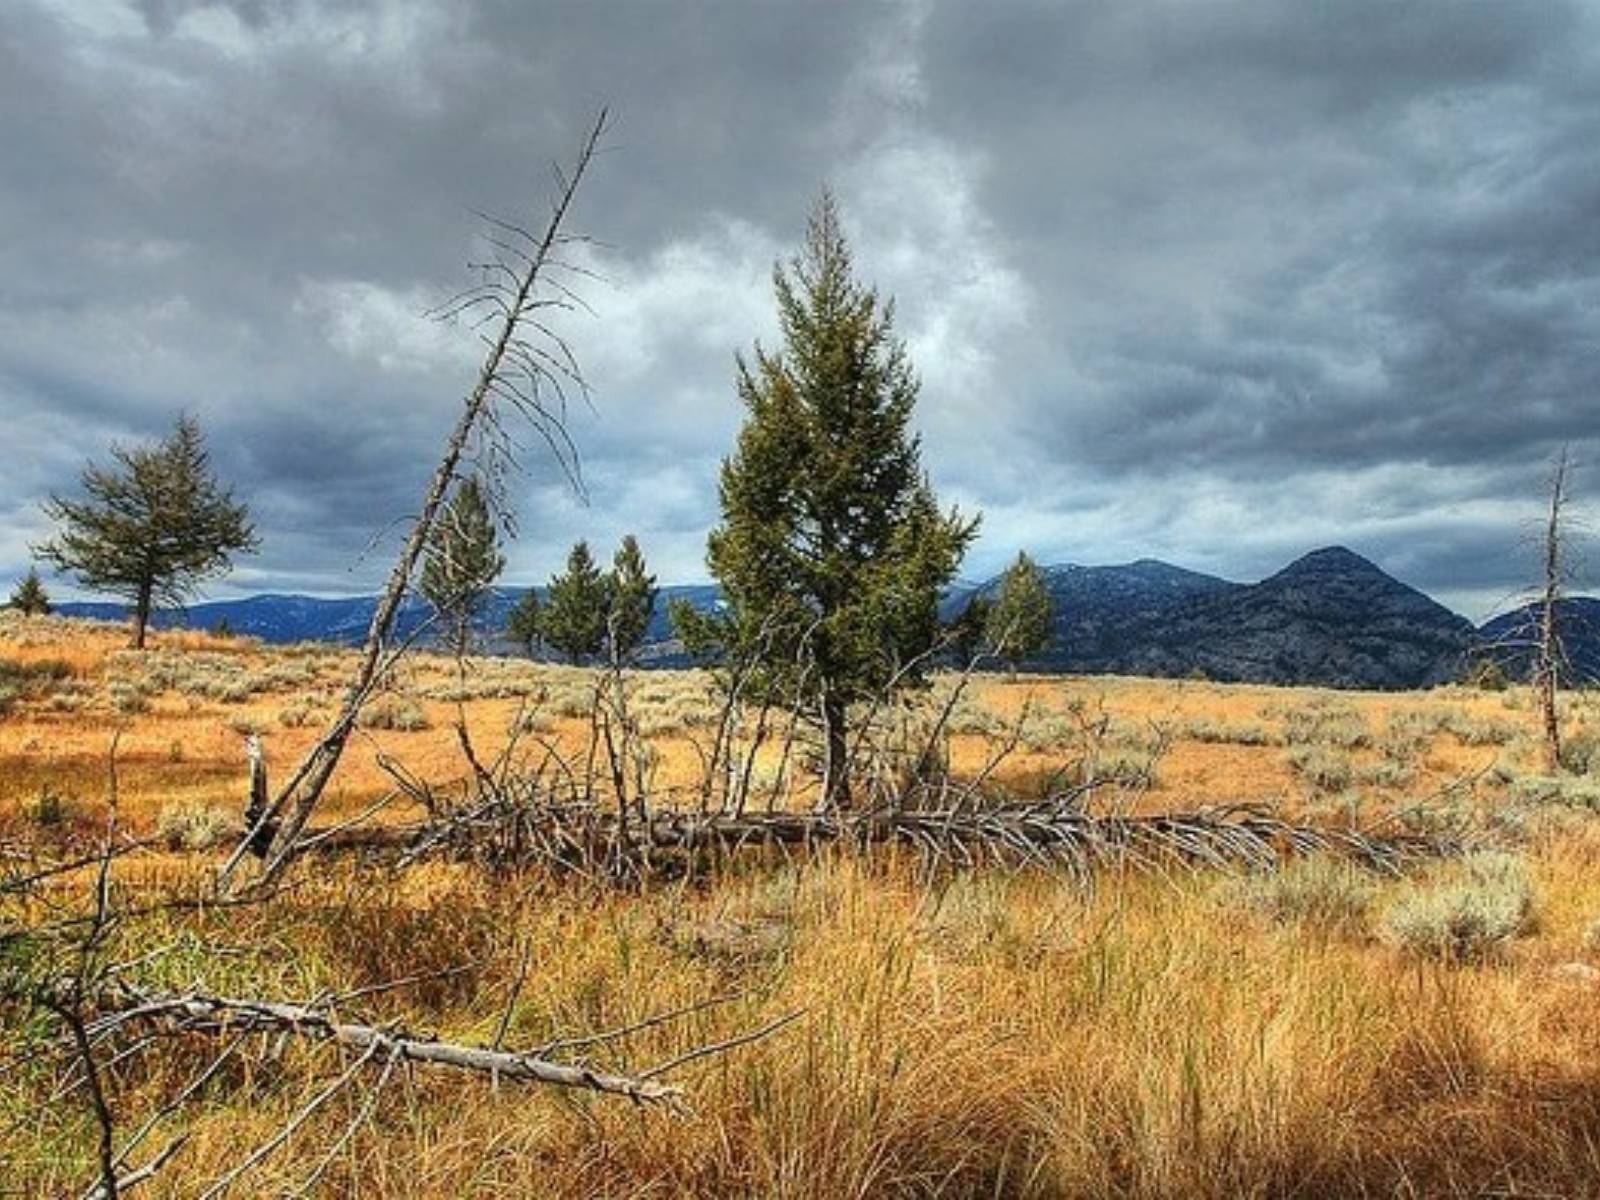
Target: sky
1212	281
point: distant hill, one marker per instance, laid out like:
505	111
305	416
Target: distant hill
289	618
1509	638
1331	618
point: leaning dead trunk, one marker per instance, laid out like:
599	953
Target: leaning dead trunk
512	371
1547	668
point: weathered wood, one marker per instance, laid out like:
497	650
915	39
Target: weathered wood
284	818
199	1013
1065	838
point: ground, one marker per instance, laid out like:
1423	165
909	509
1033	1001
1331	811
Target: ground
1322	1031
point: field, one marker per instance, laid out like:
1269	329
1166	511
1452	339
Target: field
1322	1030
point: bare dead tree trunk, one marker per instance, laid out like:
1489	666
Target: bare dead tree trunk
511	296
1547	664
260	798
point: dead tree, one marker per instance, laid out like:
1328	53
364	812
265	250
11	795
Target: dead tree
1548	657
527	369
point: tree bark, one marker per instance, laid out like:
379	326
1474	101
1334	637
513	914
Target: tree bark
1548	668
836	760
294	804
141	614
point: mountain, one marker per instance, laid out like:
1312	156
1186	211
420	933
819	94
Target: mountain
1509	638
1330	618
289	618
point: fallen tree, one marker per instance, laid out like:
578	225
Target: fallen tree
1058	836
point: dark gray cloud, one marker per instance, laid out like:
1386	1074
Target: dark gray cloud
1213	282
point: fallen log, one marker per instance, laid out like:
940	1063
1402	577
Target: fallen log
1059	837
220	1015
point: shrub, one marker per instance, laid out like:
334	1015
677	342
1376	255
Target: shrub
128	698
1319	891
403	716
190	826
1324	769
297	715
532	722
1580	753
1487	675
1469	917
1321	724
1556	789
50	808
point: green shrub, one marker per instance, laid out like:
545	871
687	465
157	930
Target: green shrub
390	712
1487	675
1326	770
1226	733
1466	918
190	826
1321	891
297	715
50	808
1580	753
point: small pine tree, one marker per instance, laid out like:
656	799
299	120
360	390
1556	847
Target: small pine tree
573	619
153	526
522	623
832	548
632	601
30	599
462	562
1023	617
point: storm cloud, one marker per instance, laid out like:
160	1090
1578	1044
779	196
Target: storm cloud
1217	282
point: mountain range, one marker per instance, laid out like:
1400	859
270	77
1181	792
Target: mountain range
1330	618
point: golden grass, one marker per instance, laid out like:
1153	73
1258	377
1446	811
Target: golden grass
983	1035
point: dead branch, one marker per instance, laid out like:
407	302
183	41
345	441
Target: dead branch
515	373
199	1013
1058	834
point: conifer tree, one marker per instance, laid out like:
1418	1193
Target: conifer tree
523	622
152	527
1022	619
969	632
30	599
631	600
832	547
573	619
461	562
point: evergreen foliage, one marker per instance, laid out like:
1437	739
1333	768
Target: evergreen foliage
151	527
969	632
30	599
1022	620
523	622
573	619
461	562
631	600
832	547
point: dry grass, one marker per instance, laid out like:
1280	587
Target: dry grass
984	1035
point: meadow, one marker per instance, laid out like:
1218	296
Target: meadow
1318	1030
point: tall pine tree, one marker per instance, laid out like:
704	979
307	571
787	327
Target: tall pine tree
574	616
152	527
1022	619
631	600
461	562
832	547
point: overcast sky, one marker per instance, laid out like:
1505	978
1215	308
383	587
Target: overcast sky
1216	282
